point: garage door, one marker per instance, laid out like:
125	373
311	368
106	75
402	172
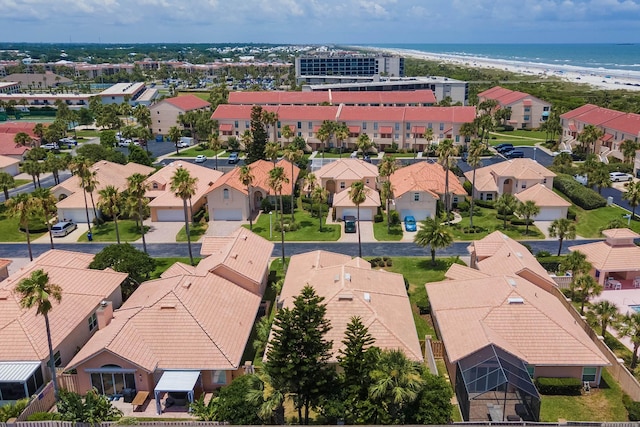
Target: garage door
170	215
365	213
78	216
549	214
227	215
419	215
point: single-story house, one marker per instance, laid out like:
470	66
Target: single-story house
511	176
418	187
71	196
185	331
227	197
551	205
350	287
24	355
343	205
164	204
617	256
340	174
8	132
9	165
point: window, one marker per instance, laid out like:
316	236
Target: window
416	197
247	125
155	185
408	126
545	108
367	180
524	185
429	126
364	125
531	370
526	117
527	109
310	126
235	124
489	196
375	135
544	181
397	127
57	359
441	126
589	373
299	125
225	194
375	125
342	185
310	134
219	377
93	322
397	136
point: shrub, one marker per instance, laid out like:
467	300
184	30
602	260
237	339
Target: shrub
619	167
490	204
633	408
559	386
467	186
323	208
378	218
44	416
200	214
395	217
266	206
473	230
571	213
389	262
543	254
550	263
582	196
12	410
464	206
518	221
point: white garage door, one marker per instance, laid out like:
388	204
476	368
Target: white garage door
549	214
365	213
78	216
419	215
170	215
227	215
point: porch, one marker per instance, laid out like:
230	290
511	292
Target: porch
148	408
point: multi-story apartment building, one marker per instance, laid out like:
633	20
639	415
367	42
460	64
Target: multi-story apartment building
322	67
527	111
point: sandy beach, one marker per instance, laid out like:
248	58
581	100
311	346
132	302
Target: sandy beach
596	77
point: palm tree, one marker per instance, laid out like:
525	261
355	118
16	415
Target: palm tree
270	398
33	168
215	144
110	203
589	135
271	150
628	149
632	195
82	168
246	177
293	155
90	184
342	134
576	262
327	128
310	182
23	139
137	188
527	210
562	228
473	159
174	136
45	203
629	326
364	143
428	137
605	312
246	139
358	194
386	168
467	130
435	235
277	179
183	186
22	206
270	118
287	133
445	151
386	191
39	130
583	287
319	196
36	291
6	182
600	177
506	205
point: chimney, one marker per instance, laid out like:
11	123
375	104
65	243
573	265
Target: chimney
104	314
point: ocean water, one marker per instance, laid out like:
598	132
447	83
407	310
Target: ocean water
622	57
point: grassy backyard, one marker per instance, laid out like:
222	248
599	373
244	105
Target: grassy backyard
487	220
309	228
10	230
107	232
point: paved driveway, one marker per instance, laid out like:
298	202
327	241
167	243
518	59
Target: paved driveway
224	228
161	232
366	233
69	238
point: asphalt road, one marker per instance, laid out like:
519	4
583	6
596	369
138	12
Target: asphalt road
163	250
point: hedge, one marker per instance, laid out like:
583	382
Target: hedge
559	386
551	263
489	204
633	408
582	196
468	187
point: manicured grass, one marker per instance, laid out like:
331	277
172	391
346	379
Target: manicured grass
602	404
196	151
162	264
328	155
10	229
309	228
381	234
107	232
201	95
195	231
21	182
519	133
515	141
588	223
88	133
487	220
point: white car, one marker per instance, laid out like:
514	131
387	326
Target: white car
51	146
620	177
201	158
124	143
182	144
582	179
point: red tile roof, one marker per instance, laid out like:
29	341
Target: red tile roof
506	97
8	147
188	102
424	176
350	113
335	98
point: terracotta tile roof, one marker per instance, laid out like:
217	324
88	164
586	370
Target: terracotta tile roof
25	331
593	115
342	199
17	127
314	98
514	314
245	254
166	198
8	146
605	256
348	170
424	96
7	161
260	171
542	196
307	113
620	233
349	113
180	322
237	112
461	272
275	97
528	169
424	176
628	123
352	288
187	102
506	97
419	115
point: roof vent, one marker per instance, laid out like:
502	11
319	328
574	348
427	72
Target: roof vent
244	237
336	278
367	297
345	297
516	300
519	254
103	303
167	306
234	256
186	285
511	282
4	294
347	276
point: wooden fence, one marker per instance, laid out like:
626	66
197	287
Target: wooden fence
41	402
68	382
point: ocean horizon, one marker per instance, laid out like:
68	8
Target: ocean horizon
598	56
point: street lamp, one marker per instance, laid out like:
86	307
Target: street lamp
534	152
270	225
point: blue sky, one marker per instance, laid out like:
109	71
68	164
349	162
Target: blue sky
321	21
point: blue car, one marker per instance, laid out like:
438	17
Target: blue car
409	223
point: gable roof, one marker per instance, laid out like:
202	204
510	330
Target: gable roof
605	256
25	330
514	314
260	171
342	199
347	169
205	177
528	169
187	102
350	287
6	161
424	176
542	196
423	96
507	97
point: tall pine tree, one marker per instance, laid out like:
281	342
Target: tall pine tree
255	150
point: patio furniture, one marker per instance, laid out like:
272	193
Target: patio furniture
139	400
495	412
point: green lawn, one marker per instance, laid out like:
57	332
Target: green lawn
196	151
588	223
520	133
381	234
21	182
10	231
195	231
162	264
309	228
107	232
486	218
88	133
201	95
602	404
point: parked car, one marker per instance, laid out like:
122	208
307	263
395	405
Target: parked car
124	143
233	158
182	144
502	148
63	228
68	141
582	179
514	154
51	146
200	158
620	177
350	224
410	223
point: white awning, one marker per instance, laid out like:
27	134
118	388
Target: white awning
177	381
17	372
